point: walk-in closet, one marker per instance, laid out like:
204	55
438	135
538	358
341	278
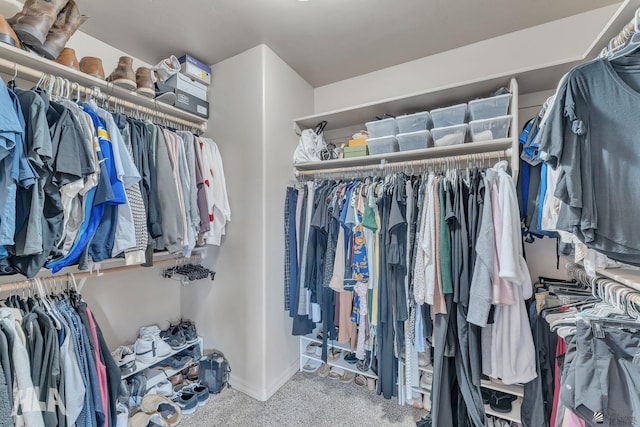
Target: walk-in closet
304	212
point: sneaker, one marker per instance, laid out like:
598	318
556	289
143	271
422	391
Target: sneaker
193	351
162	348
146	350
189	331
174	336
124	391
201	392
169	410
163	388
122	417
125	358
176	362
138	387
187	400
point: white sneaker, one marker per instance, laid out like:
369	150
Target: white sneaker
162	348
122	419
146	350
163	388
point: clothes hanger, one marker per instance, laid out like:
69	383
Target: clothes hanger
632	44
12	83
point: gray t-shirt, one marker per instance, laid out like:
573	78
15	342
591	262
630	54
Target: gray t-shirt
594	134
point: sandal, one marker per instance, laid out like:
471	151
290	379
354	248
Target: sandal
333	355
323	371
350	358
360	380
336	373
501	402
348	377
311	366
313	348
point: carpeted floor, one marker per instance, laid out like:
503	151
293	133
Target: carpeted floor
306	400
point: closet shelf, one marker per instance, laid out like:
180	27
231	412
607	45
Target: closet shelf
163	373
514	389
11	57
403	156
341	363
514	415
630	278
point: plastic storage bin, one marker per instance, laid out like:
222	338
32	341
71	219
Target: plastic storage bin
488	108
414	122
382	145
450	135
489	129
449	116
415	140
380	128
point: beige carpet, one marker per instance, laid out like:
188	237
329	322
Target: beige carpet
306	400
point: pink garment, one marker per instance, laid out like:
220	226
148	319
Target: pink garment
298	214
101	368
572	420
561	348
502	289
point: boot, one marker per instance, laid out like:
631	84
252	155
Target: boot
144	83
7	35
92	66
68	58
123	75
67	23
35	20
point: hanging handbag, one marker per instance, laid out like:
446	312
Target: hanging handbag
311	145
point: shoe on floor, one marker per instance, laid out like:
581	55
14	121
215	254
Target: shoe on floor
163	388
371	384
122	417
336	373
201	392
324	370
142	419
348	377
311	366
169	410
187	400
361	380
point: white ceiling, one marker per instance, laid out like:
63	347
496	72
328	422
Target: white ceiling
323	40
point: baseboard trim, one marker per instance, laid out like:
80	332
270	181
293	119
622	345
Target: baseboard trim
282	379
263	395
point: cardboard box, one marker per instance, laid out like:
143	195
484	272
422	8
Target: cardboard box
195	69
190	103
358	151
185	84
357	142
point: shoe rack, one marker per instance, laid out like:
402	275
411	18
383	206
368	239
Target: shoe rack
157	375
33	68
340	363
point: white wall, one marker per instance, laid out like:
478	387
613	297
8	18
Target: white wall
535	47
287	95
254	96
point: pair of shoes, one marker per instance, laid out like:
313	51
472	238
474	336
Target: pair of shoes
333	355
314	348
360	380
191	373
186	399
163	388
138	388
125	358
140	80
177	362
350	358
47	25
324	370
149	346
157	410
201	391
337	373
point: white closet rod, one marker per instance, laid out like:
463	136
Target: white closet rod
33	75
25	284
462	161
